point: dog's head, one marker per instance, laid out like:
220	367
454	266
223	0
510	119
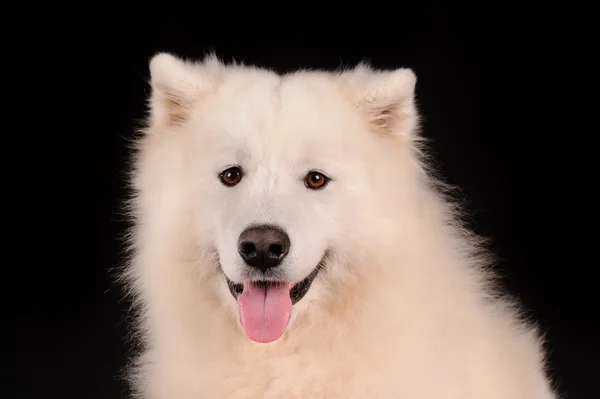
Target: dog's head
287	178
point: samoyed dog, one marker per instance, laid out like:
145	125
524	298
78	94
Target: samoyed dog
290	242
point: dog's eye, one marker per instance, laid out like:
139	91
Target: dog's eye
315	180
232	176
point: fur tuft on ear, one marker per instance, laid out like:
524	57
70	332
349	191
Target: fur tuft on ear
176	86
386	98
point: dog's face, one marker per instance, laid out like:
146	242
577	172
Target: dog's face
283	180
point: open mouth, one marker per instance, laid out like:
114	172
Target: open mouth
296	290
265	307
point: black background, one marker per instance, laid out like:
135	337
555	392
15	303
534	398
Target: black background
503	91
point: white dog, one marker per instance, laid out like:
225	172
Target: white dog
290	242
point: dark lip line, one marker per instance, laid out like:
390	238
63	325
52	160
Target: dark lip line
296	293
299	290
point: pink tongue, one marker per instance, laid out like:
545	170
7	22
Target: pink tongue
265	311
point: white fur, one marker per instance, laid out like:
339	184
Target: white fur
404	307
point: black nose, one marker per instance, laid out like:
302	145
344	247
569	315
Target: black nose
263	247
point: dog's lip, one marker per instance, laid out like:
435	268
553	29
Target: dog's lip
297	290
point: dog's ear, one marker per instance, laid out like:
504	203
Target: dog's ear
387	98
176	87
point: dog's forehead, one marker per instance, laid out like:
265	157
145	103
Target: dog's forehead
286	114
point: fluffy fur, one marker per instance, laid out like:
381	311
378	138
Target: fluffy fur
403	308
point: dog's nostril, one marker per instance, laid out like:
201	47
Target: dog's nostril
275	250
248	248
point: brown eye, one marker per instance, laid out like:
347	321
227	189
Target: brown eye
232	176
315	180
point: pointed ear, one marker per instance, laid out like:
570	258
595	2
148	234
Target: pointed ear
176	87
386	98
